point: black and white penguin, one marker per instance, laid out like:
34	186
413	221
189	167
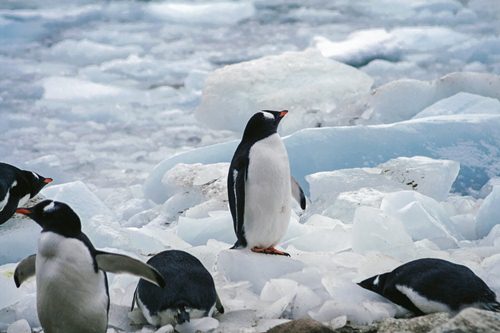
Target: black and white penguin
72	286
260	187
190	293
433	285
16	188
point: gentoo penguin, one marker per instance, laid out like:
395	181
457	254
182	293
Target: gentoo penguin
16	188
72	287
259	185
433	285
190	292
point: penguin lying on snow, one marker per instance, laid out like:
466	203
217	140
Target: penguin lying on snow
72	287
259	185
16	188
190	292
433	285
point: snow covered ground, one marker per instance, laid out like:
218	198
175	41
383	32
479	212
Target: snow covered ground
135	108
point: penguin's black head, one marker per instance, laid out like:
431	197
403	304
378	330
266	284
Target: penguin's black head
263	124
35	181
375	283
54	216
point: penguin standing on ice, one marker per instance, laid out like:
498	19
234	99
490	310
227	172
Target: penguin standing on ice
72	286
16	188
259	185
190	293
433	285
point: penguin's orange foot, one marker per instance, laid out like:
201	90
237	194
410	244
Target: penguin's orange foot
269	250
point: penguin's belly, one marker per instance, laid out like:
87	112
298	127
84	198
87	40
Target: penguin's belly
71	296
267	193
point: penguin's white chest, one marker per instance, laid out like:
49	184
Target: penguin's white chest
267	193
71	296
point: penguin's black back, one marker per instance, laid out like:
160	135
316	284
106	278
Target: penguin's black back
437	280
8	175
188	283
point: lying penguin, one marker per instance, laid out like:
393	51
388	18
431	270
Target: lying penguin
433	285
190	293
16	188
259	185
71	282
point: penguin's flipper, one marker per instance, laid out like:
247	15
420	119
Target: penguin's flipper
236	193
24	270
118	263
218	305
298	193
133	298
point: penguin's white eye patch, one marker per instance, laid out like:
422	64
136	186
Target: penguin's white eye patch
36	176
375	282
268	115
50	207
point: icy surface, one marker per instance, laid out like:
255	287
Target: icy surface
96	94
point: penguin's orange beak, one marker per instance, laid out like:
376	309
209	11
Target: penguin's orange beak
48	180
283	113
24	211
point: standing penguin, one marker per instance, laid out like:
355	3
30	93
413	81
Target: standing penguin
433	285
259	185
190	293
72	286
16	188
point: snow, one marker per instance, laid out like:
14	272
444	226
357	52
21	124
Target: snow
135	109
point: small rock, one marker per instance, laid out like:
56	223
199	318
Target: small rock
301	326
421	324
471	320
20	326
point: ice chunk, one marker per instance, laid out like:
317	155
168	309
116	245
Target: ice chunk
346	203
216	13
346	299
66	88
489	214
188	185
306	83
360	47
462	103
472	140
280	294
205	324
18	239
375	231
422	217
20	326
197	231
425	175
403	99
85	52
430	177
488	187
259	268
329	236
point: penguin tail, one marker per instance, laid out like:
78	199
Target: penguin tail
493	306
238	245
182	315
